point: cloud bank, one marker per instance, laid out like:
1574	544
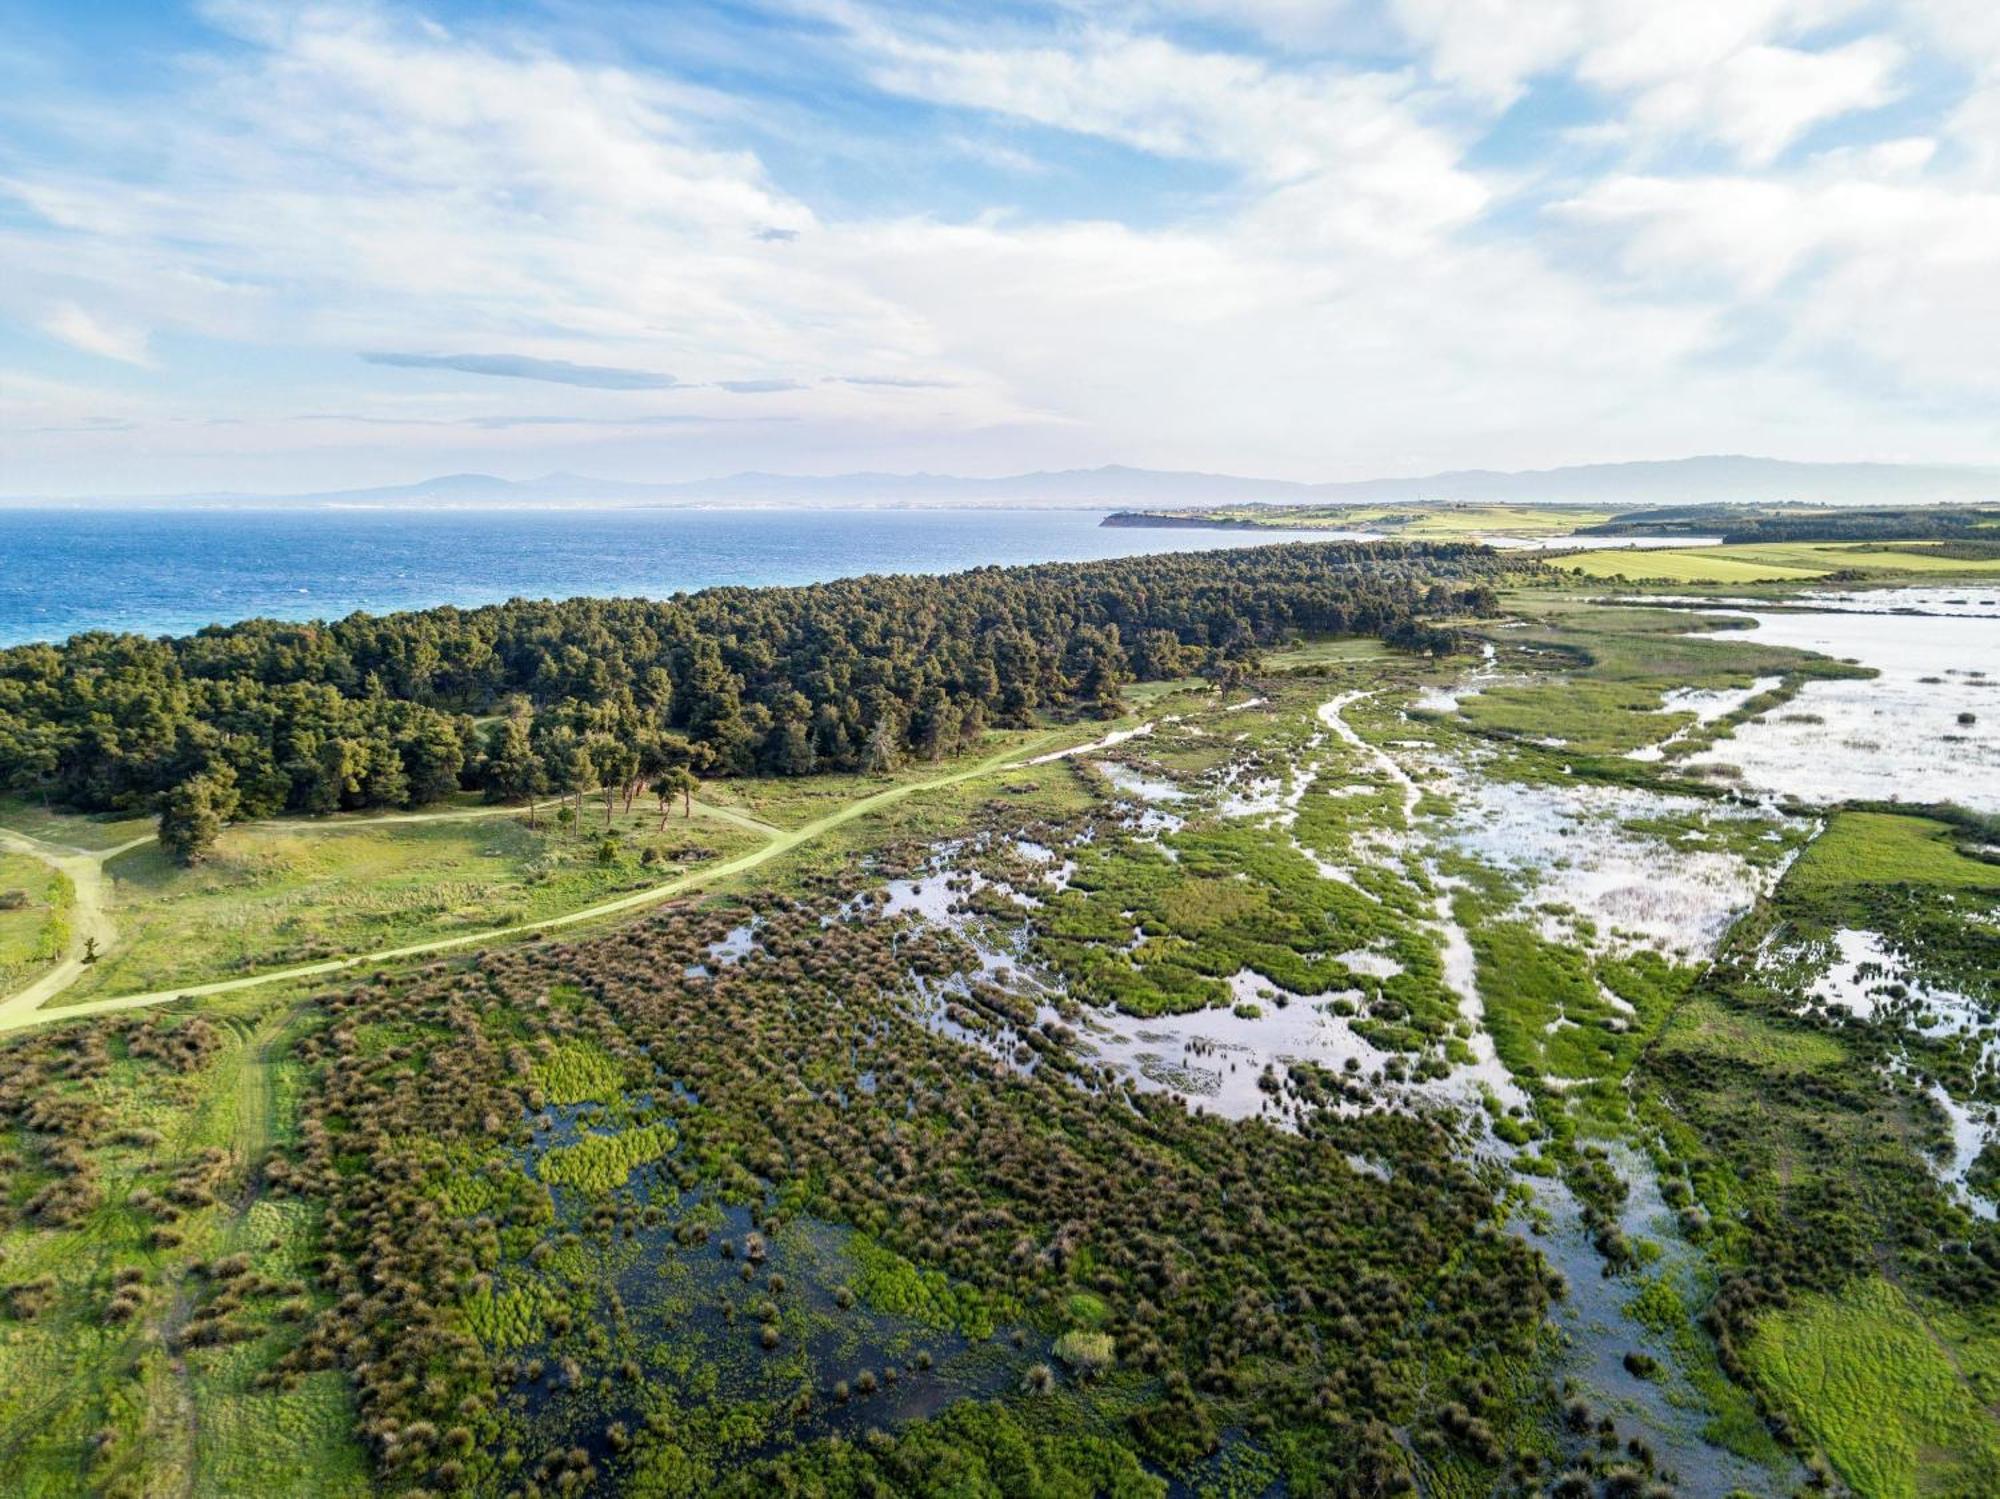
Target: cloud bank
1319	241
521	367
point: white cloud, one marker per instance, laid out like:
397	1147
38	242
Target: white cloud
1893	272
1349	146
1762	98
84	330
1730	71
1322	281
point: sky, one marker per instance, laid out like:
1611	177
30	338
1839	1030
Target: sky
257	246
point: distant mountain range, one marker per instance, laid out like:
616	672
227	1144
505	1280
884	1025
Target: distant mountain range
1670	481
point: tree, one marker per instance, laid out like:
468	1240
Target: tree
936	730
879	754
433	755
656	692
192	815
316	718
565	763
1100	668
649	758
712	701
1158	655
832	745
383	781
790	751
971	726
515	770
615	763
676	780
1234	662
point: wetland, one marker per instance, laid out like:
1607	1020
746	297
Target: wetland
1544	1042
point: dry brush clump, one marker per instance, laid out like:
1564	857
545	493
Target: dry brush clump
46	1092
182	1045
67	1115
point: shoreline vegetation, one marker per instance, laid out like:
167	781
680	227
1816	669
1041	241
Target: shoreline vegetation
1319	1019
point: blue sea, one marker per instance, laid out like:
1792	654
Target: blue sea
170	572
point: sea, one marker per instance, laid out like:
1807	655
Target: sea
172	572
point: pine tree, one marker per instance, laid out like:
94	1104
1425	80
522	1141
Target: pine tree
879	754
515	770
192	815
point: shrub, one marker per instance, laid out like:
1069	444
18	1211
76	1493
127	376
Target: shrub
1089	1354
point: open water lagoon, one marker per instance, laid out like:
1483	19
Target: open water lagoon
1926	728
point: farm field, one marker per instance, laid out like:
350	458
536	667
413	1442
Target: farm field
1414	521
1752	563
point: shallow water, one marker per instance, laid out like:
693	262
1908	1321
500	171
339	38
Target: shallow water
1895	736
1970	1131
1598	1334
1132	783
1115	737
1707	705
1869	980
674	1294
1981	600
1214	1058
1566	846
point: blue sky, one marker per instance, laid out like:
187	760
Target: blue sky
249	245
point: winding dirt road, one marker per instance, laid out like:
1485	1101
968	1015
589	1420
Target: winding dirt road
24	1008
89	920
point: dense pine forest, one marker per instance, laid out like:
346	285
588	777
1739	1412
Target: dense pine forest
263	717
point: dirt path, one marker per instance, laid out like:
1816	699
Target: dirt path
468	814
89	920
16	1015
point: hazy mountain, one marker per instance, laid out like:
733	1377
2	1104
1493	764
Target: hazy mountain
1690	481
1073	487
1670	481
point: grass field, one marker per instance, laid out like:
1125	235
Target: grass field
1466	521
1797	561
275	895
96	1400
1886	848
1696	565
1875	1389
93	833
29	932
1702	1026
134	1397
792	801
1326	653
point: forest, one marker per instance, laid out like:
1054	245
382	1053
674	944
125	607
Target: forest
263	718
